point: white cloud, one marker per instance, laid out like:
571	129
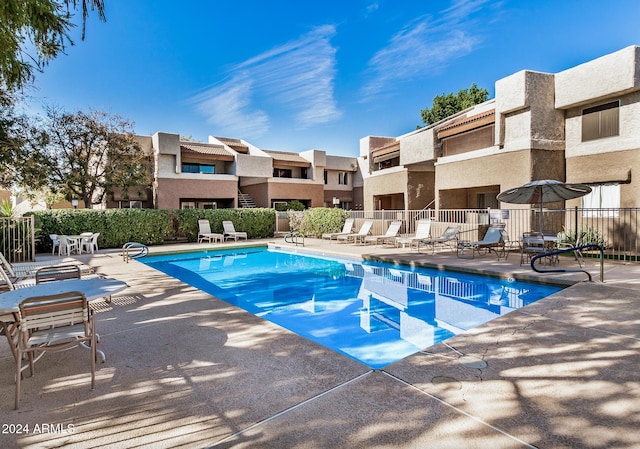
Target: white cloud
227	106
423	46
296	77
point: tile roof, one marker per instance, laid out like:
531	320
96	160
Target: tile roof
283	158
206	149
467	124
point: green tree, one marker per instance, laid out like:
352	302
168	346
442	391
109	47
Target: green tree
446	105
32	32
82	155
12	139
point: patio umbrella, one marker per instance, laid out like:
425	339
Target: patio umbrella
543	191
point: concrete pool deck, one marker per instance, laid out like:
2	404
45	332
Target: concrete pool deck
184	369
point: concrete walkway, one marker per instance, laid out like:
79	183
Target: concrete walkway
184	369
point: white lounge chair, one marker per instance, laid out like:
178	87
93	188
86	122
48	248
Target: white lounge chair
360	235
231	233
346	229
389	236
423	231
204	232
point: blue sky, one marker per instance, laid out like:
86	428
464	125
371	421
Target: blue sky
297	75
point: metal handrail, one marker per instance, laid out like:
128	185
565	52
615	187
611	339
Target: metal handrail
567	250
133	250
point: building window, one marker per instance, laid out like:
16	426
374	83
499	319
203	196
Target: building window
303	172
281	173
603	201
326	177
601	121
190	167
343	178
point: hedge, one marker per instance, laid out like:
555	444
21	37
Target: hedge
148	226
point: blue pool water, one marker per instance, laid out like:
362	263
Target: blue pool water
375	313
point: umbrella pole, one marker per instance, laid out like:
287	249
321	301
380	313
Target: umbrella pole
541	218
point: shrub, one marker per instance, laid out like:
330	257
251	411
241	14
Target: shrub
317	221
591	236
149	226
291	205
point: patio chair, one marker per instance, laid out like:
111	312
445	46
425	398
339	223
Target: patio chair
89	242
55	243
204	232
360	235
448	238
346	229
54	323
423	232
576	252
532	245
67	246
231	233
492	241
59	273
389	236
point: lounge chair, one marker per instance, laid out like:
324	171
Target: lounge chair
492	241
389	236
423	232
23	270
360	235
346	229
13	282
448	238
204	232
230	232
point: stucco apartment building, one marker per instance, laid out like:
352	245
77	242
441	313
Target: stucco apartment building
579	125
228	173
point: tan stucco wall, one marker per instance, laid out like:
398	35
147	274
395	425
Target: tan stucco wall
613	74
629	125
311	192
420	190
385	184
170	190
619	167
259	193
506	170
525	113
418	146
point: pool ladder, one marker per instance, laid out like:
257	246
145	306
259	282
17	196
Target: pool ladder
133	250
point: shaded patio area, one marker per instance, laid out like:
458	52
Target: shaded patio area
185	369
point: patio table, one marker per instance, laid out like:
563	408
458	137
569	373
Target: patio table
93	289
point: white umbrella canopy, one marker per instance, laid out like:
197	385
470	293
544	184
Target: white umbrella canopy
543	191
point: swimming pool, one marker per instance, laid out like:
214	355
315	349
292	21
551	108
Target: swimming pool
373	312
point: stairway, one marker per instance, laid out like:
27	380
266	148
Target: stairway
245	200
